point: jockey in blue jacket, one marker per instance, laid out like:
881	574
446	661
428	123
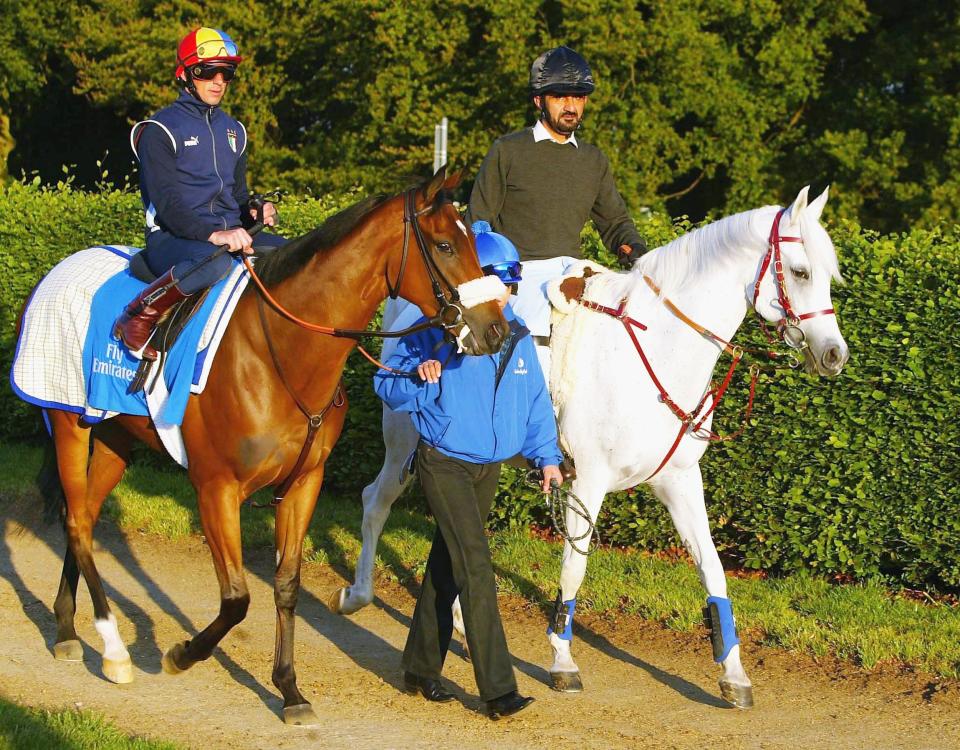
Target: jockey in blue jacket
472	412
193	183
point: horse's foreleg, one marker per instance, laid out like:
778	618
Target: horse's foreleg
682	494
293	519
400	439
85	491
564	673
220	518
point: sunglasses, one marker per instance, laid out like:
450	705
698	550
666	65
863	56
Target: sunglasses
207	72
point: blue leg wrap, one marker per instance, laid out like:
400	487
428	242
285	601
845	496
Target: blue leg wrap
561	621
718	615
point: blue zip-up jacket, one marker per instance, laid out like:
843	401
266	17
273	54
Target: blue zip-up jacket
485	408
192	169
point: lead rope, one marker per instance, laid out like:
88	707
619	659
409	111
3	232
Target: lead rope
559	502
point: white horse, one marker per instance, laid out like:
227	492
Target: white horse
619	426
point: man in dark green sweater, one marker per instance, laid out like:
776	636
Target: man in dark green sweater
540	185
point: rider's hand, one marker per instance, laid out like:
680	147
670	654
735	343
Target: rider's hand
270	215
429	371
235	239
551	473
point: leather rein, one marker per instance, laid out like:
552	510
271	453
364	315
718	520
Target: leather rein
787	327
448	306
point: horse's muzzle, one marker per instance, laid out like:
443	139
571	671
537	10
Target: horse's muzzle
495	335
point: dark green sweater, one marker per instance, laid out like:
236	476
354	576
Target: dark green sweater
540	195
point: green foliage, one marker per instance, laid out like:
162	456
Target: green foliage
38	729
852	477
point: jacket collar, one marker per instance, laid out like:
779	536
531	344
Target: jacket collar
188	103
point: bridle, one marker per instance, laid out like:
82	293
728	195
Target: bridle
445	305
788	327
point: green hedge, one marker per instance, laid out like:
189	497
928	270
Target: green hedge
852	477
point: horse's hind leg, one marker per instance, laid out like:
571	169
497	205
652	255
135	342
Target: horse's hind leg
400	438
111	453
682	494
85	489
219	504
293	519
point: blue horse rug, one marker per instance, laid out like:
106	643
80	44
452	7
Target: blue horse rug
67	357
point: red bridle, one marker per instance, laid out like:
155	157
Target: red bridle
790	320
693	421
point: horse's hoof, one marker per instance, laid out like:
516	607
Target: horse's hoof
335	602
341	604
119	671
566	682
740	696
300	716
175	653
68	651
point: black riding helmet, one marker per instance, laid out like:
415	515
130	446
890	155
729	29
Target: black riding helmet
561	71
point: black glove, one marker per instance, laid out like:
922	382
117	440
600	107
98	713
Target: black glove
627	255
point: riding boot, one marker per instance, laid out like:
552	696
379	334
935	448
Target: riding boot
139	318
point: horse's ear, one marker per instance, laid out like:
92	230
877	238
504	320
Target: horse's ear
453	181
816	207
435	185
798	205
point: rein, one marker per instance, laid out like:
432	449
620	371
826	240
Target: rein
440	320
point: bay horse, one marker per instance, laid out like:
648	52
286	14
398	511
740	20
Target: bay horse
689	297
270	382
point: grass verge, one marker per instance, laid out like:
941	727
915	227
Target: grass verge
864	623
38	729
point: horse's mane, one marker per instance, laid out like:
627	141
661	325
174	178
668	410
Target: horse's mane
292	257
722	242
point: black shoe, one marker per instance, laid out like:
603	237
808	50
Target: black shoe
432	690
507	705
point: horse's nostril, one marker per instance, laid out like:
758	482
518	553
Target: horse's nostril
832	358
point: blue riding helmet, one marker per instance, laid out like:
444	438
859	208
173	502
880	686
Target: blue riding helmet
497	255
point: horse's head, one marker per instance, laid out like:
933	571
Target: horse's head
792	286
442	274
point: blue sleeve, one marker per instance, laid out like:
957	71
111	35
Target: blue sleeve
402	393
161	187
541	441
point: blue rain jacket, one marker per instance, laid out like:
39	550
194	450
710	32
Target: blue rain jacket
485	408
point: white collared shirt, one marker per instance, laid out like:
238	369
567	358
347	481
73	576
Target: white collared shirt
540	133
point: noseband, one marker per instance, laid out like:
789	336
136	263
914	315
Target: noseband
788	327
450	312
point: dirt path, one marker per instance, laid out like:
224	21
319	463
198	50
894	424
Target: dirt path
645	687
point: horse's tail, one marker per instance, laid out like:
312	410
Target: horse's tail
50	487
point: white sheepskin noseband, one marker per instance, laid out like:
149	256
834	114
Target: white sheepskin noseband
478	291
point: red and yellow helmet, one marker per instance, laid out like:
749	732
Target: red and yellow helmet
206	45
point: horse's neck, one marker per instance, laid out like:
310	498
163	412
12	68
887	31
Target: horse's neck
339	287
714	301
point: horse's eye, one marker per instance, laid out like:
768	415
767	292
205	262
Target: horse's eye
800	273
445	247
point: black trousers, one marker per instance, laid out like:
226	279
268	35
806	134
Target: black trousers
460	495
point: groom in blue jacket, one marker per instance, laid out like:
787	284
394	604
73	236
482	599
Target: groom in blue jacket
472	413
